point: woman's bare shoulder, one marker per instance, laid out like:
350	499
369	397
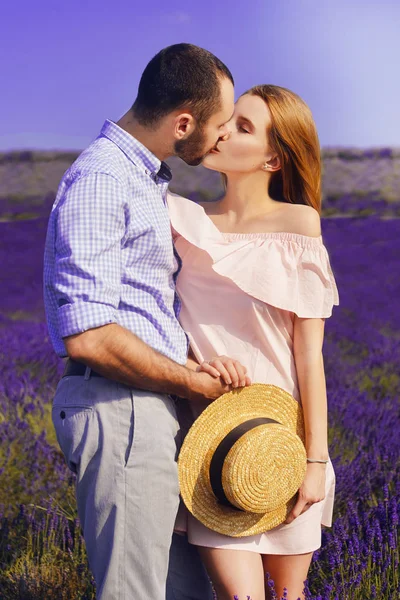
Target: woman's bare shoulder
301	219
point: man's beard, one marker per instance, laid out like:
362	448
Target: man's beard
191	150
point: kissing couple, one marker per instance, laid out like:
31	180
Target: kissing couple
174	315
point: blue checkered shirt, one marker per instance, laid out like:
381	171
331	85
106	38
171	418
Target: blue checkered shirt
109	256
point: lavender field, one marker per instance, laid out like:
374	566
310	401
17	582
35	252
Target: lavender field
42	555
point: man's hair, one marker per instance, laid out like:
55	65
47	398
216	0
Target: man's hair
180	76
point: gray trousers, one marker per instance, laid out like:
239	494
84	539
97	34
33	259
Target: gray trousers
122	444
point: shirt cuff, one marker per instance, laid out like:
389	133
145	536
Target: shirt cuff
78	317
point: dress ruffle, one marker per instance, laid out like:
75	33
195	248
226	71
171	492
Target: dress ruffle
286	270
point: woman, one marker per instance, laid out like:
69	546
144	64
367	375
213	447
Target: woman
256	285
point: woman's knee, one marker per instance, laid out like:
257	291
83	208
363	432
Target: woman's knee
241	591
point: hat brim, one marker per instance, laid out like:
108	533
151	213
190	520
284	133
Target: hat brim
206	433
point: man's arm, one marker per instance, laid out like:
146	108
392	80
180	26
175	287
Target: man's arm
118	354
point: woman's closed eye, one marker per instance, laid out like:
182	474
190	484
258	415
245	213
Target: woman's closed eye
243	129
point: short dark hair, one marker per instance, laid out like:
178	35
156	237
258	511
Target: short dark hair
182	75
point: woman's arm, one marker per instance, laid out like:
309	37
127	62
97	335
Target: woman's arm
308	340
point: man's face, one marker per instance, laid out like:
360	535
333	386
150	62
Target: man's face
194	148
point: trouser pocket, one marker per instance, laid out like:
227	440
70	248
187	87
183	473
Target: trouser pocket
74	429
74	419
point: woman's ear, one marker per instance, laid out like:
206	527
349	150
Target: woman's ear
272	164
184	125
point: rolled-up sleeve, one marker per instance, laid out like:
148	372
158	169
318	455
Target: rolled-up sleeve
90	228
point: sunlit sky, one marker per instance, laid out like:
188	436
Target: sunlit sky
65	66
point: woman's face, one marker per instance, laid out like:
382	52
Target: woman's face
245	149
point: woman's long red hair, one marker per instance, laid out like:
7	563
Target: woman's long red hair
293	136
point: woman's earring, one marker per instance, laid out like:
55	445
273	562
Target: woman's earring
265	168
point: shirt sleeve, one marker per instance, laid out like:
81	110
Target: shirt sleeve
89	232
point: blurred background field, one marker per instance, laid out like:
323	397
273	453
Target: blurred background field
355	181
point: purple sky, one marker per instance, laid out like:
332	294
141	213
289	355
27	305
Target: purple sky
66	65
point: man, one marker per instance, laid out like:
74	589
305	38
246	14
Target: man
111	307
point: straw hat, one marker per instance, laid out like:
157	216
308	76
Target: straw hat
243	460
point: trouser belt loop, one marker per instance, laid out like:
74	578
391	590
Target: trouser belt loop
87	373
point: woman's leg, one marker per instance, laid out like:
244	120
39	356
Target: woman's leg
288	571
234	573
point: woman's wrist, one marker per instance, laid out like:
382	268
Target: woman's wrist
317	449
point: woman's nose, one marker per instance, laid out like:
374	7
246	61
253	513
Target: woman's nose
225	136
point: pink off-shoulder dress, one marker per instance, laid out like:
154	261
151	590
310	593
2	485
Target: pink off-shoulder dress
240	293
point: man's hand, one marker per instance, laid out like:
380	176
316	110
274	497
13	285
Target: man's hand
205	387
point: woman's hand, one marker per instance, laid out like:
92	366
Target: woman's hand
231	371
312	490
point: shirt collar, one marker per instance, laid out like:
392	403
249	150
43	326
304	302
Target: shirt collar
141	156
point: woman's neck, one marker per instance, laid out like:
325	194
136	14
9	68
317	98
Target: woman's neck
247	197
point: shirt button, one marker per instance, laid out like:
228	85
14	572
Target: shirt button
62	414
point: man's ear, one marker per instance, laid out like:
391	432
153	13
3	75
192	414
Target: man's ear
184	125
272	163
